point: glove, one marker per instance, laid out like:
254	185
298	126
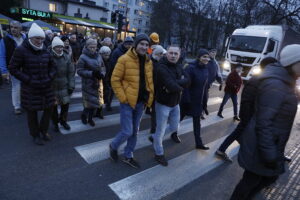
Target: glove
70	91
220	87
98	75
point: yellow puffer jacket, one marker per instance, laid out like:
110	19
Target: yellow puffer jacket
126	76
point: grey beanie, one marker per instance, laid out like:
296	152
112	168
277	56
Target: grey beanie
139	38
128	40
202	52
289	55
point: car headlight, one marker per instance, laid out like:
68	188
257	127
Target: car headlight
226	65
256	70
298	88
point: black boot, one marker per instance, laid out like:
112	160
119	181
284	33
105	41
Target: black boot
108	107
83	119
175	137
46	136
236	118
90	117
38	141
65	125
220	114
56	128
99	113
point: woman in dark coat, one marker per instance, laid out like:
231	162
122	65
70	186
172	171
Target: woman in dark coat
264	139
192	99
63	84
91	69
33	66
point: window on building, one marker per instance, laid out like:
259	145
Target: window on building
115	7
139	30
140	21
52	7
106	4
147	23
136	12
137	2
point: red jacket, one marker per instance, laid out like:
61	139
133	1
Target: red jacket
233	83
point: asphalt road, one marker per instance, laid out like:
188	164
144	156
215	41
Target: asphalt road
74	165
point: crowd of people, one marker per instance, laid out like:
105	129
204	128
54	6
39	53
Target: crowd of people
141	73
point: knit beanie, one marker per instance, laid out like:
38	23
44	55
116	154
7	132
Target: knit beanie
202	52
90	41
105	50
158	49
64	38
36	31
140	38
57	42
289	55
128	40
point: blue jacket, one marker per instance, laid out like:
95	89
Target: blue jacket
193	96
213	72
5	52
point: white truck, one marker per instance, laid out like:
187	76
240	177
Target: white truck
248	46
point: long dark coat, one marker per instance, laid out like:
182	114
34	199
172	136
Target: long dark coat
36	71
192	98
264	139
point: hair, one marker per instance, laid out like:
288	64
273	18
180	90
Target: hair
107	39
90	41
173	45
266	61
17	23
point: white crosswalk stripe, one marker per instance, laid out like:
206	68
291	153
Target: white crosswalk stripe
98	151
159	181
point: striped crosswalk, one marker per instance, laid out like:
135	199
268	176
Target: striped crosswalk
161	181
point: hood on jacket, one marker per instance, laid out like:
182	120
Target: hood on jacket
12	37
89	54
27	44
276	70
196	63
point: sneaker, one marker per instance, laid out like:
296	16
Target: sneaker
65	125
83	119
202	147
18	111
150	138
46	137
91	122
175	138
38	141
220	115
223	155
108	108
131	162
287	159
236	118
161	160
113	154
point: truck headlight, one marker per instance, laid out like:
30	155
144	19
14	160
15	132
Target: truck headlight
298	88
256	70
226	65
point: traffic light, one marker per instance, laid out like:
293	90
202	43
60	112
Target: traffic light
120	22
113	17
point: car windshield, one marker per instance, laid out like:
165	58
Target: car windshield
247	43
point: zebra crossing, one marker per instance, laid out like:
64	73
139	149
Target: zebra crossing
161	181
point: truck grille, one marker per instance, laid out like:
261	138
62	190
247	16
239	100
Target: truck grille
240	59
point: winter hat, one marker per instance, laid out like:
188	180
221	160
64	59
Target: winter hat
140	38
48	32
154	37
212	50
202	52
105	50
266	61
64	38
158	49
90	41
128	40
36	31
57	42
289	55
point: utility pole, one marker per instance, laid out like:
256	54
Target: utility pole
126	25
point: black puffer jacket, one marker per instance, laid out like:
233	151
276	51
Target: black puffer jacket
36	71
170	82
116	54
264	139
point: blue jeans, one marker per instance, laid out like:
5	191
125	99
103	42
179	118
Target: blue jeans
234	102
130	122
16	92
165	115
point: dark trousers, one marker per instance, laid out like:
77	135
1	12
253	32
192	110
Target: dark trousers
63	116
89	112
235	135
234	102
153	119
108	94
1	79
250	185
205	97
35	126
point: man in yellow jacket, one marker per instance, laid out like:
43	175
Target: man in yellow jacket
132	83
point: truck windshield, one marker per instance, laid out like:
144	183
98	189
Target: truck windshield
247	43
